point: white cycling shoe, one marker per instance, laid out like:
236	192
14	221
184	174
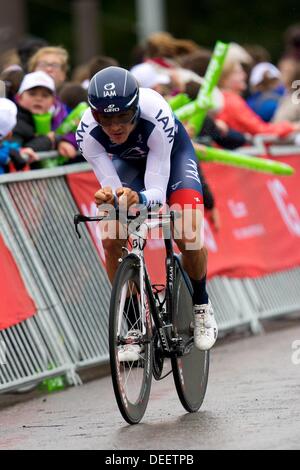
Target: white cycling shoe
205	327
130	352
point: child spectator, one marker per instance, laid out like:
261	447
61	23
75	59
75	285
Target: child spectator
36	98
71	94
10	151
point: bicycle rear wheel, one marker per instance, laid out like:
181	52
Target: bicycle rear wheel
131	380
190	371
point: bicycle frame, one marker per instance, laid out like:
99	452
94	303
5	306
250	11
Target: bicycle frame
139	239
162	312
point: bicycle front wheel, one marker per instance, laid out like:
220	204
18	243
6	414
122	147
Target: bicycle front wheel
190	371
131	378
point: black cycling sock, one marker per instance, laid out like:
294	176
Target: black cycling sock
200	295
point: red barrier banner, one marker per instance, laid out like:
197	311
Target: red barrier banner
15	303
260	221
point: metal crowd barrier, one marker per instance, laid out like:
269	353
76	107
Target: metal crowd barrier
270	145
70	288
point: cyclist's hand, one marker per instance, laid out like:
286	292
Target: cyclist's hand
104	196
127	197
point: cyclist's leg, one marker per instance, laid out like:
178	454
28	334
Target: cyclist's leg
113	235
131	174
185	193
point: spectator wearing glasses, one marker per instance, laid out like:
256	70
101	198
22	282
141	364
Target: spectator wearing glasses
52	60
55	62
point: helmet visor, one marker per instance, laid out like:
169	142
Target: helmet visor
108	119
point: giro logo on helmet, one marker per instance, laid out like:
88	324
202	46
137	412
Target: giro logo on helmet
111	109
109	86
109	90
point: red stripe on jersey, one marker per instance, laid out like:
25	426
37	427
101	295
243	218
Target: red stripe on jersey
186	197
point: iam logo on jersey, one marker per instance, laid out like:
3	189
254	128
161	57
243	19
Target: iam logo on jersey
109	90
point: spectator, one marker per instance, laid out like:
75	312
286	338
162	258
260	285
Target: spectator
267	89
287	67
238	54
291	55
54	61
258	53
289	106
10	151
163	45
8	58
148	77
237	114
162	50
292	42
196	61
71	94
27	48
80	73
96	64
213	130
12	77
100	62
35	98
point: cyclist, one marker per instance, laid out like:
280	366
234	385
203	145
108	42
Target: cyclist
153	162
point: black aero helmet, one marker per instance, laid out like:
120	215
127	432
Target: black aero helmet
113	90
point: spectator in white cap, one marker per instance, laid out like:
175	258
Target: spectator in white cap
35	100
10	152
8	117
36	92
148	77
266	90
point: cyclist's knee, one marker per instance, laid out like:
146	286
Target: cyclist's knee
190	241
188	229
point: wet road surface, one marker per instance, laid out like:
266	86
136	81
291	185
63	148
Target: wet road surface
252	402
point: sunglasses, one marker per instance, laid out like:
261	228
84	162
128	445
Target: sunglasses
106	120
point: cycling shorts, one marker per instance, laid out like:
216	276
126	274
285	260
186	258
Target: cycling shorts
184	185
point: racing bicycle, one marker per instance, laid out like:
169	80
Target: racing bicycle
163	315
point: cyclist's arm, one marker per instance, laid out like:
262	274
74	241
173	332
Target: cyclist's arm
156	176
160	145
102	165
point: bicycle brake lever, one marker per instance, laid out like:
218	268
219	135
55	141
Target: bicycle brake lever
77	219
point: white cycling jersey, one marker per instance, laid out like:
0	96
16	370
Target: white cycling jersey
152	139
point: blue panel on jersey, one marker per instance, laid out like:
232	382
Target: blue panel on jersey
136	145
